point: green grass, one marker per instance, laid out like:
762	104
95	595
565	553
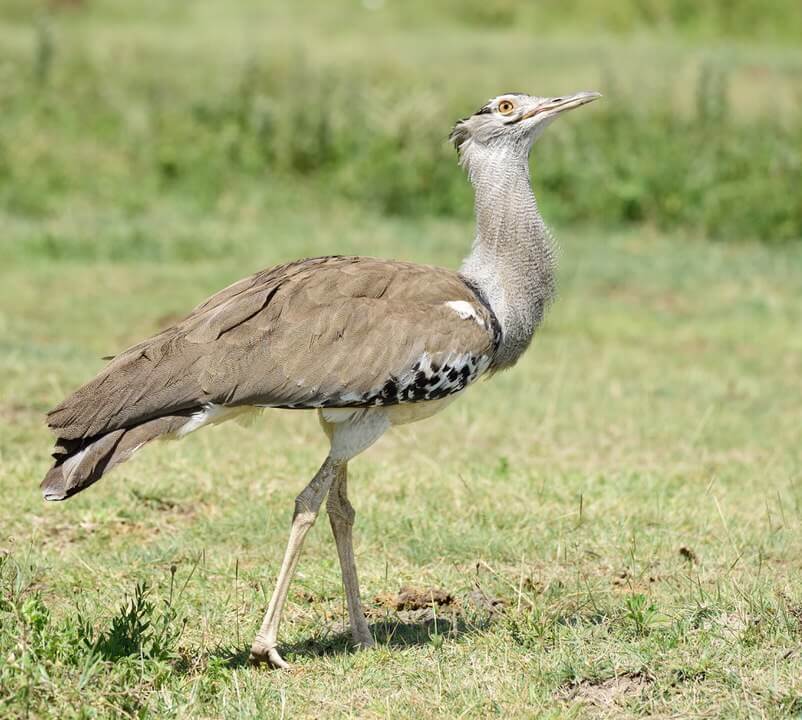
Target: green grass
703	139
657	411
618	519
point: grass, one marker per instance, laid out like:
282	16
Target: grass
612	528
626	501
700	139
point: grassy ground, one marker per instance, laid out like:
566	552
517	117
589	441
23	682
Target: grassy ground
613	528
629	495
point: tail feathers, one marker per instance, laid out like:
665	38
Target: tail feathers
79	463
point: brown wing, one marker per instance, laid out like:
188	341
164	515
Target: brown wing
326	332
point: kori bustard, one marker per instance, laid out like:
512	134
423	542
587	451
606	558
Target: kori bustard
367	343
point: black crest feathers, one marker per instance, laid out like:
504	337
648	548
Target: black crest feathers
460	132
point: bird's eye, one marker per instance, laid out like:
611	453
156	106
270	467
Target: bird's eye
505	107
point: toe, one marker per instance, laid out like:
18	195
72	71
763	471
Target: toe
263	655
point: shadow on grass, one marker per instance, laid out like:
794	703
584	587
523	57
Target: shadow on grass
391	632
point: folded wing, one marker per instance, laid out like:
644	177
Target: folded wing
325	332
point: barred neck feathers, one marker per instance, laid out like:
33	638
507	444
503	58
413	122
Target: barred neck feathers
513	260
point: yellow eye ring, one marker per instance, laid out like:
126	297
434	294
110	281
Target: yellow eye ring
505	107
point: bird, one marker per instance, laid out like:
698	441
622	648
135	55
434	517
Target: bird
366	343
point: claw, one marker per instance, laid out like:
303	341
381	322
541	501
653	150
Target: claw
261	654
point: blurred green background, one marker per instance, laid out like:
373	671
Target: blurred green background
114	110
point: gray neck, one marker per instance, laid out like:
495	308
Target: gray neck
512	262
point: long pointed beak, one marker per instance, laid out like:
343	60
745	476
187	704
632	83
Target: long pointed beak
558	105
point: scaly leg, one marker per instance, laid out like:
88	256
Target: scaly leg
307	505
341	517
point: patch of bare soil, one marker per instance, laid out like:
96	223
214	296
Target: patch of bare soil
726	627
417	605
612	691
162	515
411	598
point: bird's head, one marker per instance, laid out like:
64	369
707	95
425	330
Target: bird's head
511	123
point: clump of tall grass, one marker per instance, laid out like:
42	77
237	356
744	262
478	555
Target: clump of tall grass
703	171
37	647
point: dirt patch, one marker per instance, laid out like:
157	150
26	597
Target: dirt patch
161	515
733	623
63	534
411	598
311	598
608	692
162	504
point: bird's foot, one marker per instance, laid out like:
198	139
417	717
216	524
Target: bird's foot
262	654
363	641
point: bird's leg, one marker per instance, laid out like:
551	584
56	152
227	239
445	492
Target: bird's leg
341	517
307	505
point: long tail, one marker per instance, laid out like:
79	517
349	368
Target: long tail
79	463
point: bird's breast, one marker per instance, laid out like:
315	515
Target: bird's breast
412	412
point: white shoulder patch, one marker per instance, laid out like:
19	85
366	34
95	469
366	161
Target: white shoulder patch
465	310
